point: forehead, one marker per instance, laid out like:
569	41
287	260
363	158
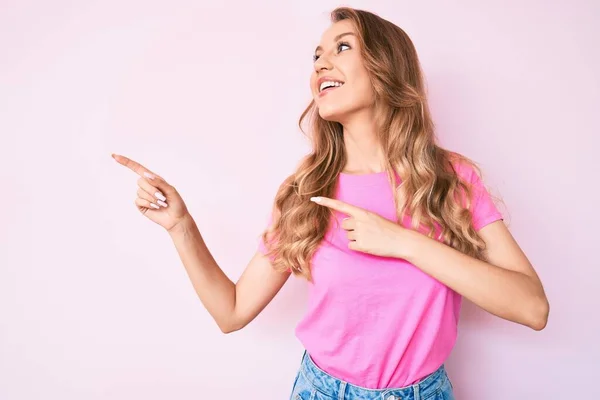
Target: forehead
335	29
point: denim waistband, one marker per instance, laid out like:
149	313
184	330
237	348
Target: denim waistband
338	389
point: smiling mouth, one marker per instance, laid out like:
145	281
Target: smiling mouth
330	85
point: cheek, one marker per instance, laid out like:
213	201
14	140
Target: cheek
364	89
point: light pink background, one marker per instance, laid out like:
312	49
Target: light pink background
94	302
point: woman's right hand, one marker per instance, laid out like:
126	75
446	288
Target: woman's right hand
156	199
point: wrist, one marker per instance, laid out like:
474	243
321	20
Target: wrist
408	240
184	225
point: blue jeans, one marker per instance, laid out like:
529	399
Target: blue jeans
312	383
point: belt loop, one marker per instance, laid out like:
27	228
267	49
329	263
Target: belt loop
416	390
341	390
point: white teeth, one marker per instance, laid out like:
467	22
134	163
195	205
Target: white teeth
329	84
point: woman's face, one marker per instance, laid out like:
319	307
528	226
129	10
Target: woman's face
338	62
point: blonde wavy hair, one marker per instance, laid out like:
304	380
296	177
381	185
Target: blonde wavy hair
430	190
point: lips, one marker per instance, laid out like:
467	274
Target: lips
327	91
329	88
328	83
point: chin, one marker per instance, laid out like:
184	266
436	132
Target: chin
331	118
332	115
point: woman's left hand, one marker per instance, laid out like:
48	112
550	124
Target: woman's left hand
368	232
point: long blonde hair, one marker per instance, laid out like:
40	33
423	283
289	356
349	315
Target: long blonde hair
430	189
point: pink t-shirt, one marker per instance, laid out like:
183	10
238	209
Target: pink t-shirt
380	322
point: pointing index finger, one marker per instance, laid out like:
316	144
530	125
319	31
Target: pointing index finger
132	165
337	205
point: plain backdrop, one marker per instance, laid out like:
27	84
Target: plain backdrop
94	301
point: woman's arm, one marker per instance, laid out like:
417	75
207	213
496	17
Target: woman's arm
507	285
231	305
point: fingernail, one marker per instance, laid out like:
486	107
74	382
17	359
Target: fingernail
154	205
159	195
315	199
148	175
162	203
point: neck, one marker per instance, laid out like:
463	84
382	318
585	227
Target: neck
363	149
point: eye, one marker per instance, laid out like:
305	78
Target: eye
340	48
342	44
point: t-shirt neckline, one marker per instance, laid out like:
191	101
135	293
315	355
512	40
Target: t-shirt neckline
368	179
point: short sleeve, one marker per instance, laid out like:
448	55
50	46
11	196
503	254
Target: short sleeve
483	209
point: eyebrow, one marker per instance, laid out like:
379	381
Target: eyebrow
335	39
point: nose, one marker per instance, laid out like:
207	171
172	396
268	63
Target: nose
322	63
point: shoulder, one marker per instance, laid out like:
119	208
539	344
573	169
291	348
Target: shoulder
465	168
480	202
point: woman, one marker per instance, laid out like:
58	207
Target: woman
384	295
